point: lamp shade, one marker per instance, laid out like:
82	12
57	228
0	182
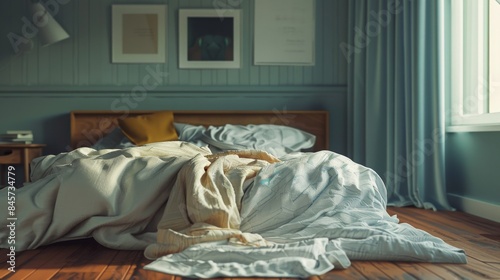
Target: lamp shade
49	31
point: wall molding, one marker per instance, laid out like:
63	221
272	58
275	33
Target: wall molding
169	91
475	207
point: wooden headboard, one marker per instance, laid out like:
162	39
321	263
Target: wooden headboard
87	127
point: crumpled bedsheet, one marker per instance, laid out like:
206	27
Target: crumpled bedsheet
113	196
234	214
318	212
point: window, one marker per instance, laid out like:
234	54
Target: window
475	65
494	55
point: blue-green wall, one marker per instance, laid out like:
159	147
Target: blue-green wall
473	165
38	89
84	59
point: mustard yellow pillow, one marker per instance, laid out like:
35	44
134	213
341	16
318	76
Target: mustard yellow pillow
149	128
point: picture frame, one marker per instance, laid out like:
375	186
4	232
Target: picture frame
209	38
139	33
284	32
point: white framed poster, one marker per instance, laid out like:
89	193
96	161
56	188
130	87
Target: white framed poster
139	33
284	32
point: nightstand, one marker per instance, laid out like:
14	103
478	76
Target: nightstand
19	154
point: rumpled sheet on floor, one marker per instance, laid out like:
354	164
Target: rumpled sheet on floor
241	213
314	212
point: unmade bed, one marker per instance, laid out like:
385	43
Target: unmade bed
211	206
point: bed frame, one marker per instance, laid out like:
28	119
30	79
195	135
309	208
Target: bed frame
87	127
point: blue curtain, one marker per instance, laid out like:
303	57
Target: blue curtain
396	96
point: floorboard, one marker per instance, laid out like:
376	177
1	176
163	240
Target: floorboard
86	259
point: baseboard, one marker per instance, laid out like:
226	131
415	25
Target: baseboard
475	207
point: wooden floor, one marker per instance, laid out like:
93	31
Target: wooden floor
480	239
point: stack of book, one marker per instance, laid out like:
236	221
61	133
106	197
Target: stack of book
17	137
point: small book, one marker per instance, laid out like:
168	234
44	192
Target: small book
16	136
19	132
21	141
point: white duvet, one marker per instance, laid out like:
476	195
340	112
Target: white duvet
302	216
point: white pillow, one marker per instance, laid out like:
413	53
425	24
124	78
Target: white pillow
275	139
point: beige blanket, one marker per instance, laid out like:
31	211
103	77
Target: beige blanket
205	202
115	196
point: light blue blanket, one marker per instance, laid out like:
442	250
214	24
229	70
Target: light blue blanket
322	210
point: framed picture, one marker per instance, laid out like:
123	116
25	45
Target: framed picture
284	32
209	38
138	33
